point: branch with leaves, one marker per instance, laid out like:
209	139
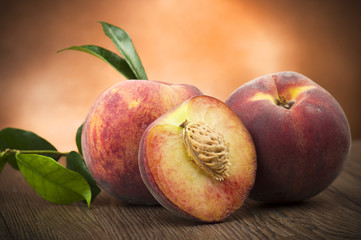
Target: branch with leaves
37	159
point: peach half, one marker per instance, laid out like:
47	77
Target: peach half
198	160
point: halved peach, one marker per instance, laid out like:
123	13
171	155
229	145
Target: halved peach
198	160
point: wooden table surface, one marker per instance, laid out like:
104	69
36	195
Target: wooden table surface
333	214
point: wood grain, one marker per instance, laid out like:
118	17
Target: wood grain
333	214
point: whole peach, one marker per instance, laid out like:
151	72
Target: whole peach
300	131
113	129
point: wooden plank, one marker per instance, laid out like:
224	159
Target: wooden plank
4	229
333	214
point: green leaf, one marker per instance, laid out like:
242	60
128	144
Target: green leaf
78	139
52	181
2	161
75	162
19	139
107	56
126	48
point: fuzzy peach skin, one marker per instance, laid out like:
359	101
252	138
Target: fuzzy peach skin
176	181
113	128
300	150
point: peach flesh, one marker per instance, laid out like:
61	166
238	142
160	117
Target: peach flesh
301	135
177	182
113	128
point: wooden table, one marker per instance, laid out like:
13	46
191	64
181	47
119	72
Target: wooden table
333	214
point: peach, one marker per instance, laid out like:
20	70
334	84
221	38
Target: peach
300	131
113	128
198	160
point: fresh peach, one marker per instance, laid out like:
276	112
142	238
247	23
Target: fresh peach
198	160
112	132
300	131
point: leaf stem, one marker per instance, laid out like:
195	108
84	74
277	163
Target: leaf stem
36	152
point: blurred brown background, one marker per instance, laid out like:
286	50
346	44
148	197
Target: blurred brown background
216	45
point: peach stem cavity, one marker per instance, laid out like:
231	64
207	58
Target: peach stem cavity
282	102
